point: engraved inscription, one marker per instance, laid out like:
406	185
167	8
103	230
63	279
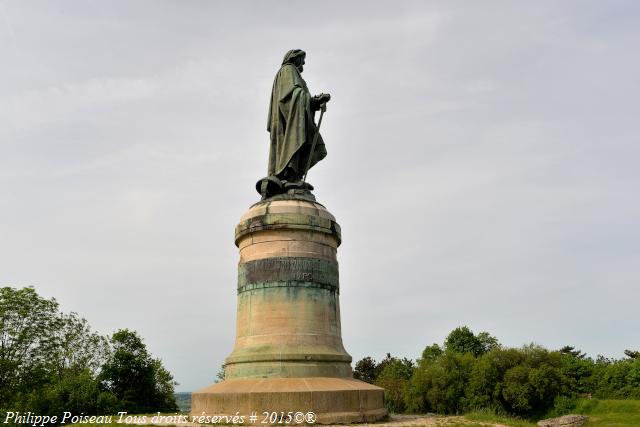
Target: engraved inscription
283	269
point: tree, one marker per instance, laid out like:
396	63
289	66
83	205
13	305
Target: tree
439	385
48	359
78	392
365	370
394	378
463	340
531	387
632	354
572	351
431	352
486	342
140	383
52	362
27	322
74	347
577	370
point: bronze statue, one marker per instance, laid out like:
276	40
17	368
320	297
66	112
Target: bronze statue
296	143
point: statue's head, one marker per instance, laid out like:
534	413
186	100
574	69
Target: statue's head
296	58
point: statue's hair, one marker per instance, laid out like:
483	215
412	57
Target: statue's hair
291	56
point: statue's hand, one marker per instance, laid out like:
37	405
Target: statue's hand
323	97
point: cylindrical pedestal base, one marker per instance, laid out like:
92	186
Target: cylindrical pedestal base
288	355
332	400
288	319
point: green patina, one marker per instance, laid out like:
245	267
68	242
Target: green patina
294	284
302	294
288	271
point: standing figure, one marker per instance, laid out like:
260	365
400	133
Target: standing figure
291	124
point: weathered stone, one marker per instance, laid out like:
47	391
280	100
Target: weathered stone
564	421
288	354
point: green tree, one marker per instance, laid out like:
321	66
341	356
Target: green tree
486	342
572	351
48	360
27	323
77	392
73	346
394	378
439	385
463	340
140	383
432	352
531	387
365	370
486	380
577	370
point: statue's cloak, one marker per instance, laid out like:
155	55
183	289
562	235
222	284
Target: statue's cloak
291	124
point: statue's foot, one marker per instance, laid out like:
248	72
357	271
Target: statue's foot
270	186
298	185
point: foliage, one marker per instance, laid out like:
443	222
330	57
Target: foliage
522	382
472	372
394	378
27	323
431	352
439	385
365	370
78	393
577	371
52	362
463	340
392	374
140	383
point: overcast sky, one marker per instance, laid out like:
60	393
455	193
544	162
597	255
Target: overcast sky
483	164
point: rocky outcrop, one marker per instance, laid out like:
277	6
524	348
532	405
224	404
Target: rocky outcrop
564	421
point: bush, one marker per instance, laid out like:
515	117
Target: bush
394	378
472	372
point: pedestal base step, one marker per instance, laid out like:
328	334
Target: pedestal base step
332	400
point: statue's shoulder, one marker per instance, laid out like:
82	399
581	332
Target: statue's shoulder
289	74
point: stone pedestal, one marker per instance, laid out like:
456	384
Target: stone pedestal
288	354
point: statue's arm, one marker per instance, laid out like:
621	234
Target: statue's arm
318	100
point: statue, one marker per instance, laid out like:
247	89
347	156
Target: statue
296	143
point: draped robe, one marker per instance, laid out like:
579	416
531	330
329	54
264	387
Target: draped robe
291	124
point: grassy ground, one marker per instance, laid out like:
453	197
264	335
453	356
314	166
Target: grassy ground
489	417
610	413
604	413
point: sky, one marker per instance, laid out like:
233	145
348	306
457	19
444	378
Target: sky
482	163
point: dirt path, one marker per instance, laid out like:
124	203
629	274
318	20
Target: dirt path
393	421
424	420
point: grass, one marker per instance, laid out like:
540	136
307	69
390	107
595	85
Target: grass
609	413
490	417
602	413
